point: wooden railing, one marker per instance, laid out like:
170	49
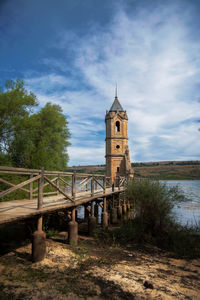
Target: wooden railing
65	183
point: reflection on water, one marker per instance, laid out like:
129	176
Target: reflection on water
188	212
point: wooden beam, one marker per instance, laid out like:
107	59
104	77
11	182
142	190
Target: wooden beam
19	186
54	185
11	184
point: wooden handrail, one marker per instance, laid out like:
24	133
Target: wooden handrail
24	171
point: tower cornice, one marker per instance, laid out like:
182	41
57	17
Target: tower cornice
116	138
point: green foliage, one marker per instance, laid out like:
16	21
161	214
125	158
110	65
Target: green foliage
27	139
154	222
16	104
153	202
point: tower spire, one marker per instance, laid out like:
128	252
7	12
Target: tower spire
116	91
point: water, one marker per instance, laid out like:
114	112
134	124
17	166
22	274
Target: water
187	212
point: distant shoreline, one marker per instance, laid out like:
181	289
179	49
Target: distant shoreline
164	170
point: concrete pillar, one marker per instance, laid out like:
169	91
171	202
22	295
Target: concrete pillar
86	212
73	229
104	215
96	211
119	211
92	220
113	215
38	242
128	214
124	208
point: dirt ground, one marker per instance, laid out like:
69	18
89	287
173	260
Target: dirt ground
96	271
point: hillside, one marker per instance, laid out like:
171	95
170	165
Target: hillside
169	170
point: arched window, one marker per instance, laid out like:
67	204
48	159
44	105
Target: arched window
117	169
117	126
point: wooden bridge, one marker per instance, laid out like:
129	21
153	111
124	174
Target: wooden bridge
49	191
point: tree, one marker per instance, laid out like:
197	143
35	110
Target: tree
16	104
34	139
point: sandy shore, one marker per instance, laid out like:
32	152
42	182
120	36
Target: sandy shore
93	271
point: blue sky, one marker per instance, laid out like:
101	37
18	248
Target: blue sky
72	53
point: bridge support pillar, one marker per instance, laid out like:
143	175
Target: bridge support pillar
124	208
96	211
113	215
104	215
38	242
73	229
119	211
86	212
92	220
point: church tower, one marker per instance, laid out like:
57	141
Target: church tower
117	152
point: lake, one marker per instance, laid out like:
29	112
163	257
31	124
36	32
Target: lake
187	212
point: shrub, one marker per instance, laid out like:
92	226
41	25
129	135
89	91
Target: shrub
154	221
153	202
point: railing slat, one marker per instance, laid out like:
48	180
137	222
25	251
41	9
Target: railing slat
20	185
54	185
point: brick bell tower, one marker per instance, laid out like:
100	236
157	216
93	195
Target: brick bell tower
117	151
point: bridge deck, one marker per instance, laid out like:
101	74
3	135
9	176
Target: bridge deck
17	210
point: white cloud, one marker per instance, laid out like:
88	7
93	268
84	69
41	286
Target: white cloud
155	61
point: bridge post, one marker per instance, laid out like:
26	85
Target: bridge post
118	182
40	189
74	185
119	208
57	184
113	212
31	188
96	211
95	185
104	184
124	206
73	229
92	186
91	220
113	186
38	242
86	211
86	187
104	215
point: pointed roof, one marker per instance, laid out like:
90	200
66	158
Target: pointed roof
116	106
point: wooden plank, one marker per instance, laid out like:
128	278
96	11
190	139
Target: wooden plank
54	185
83	184
52	180
5	168
11	184
67	183
20	185
98	183
12	211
